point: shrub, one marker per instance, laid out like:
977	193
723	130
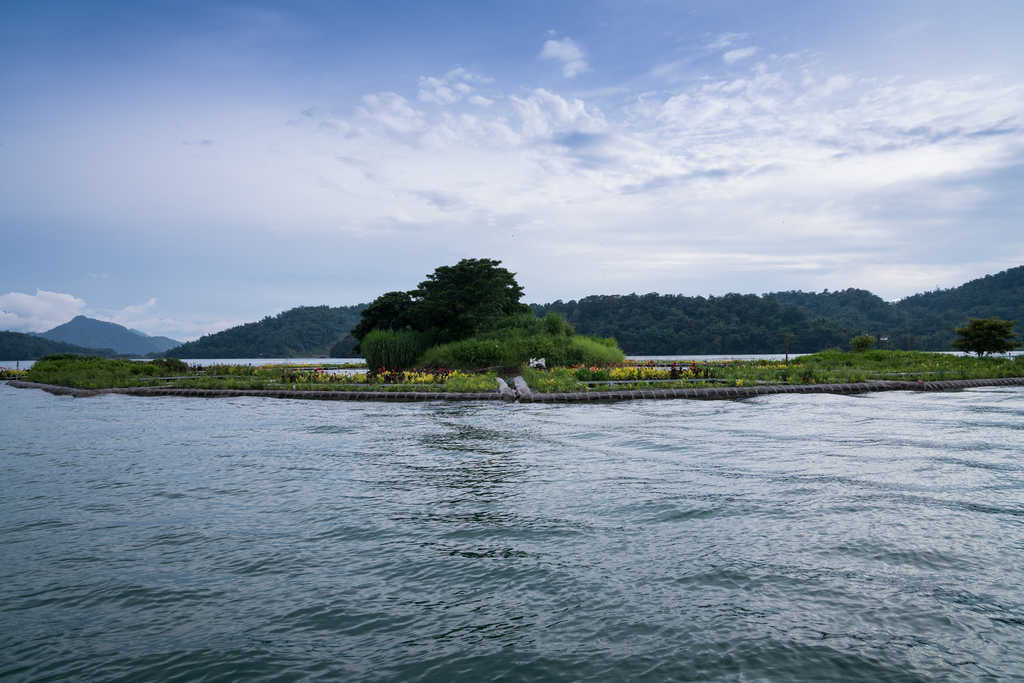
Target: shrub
171	365
592	375
555	325
864	342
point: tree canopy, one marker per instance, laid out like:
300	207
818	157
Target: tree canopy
453	303
986	335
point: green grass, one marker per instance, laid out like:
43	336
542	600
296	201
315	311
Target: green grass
826	367
386	349
93	372
521	338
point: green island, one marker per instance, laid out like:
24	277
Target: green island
464	330
825	367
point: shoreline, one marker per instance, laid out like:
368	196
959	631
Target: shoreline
712	393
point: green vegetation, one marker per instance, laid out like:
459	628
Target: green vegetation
826	367
298	333
469	316
864	342
93	372
553	380
394	348
664	324
990	335
656	324
522	337
19	346
453	303
650	324
923	321
99	334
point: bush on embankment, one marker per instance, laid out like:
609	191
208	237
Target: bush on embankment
521	338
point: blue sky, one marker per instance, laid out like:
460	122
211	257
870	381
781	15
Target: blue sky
180	167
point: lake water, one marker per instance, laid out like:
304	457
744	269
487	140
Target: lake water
783	538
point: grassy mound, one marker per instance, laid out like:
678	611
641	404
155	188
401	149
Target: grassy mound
521	338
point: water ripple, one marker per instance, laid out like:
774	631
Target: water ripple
797	538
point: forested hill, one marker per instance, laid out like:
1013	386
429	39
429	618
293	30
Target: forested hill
16	346
301	332
665	324
923	321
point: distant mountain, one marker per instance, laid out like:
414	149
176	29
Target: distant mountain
92	333
301	332
19	346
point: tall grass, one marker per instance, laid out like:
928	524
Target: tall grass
393	348
521	338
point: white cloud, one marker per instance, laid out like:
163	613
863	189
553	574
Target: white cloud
567	52
724	40
733	56
709	172
690	182
444	91
38	312
543	114
391	111
436	91
462	74
42	311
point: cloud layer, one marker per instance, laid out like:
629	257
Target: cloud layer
861	173
258	163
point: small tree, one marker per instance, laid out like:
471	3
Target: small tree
386	312
986	335
864	342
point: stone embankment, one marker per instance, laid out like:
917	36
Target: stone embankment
522	393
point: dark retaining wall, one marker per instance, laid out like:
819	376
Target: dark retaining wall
581	397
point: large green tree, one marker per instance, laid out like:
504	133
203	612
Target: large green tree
454	302
986	335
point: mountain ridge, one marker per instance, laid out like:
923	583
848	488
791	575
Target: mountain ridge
98	334
657	324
